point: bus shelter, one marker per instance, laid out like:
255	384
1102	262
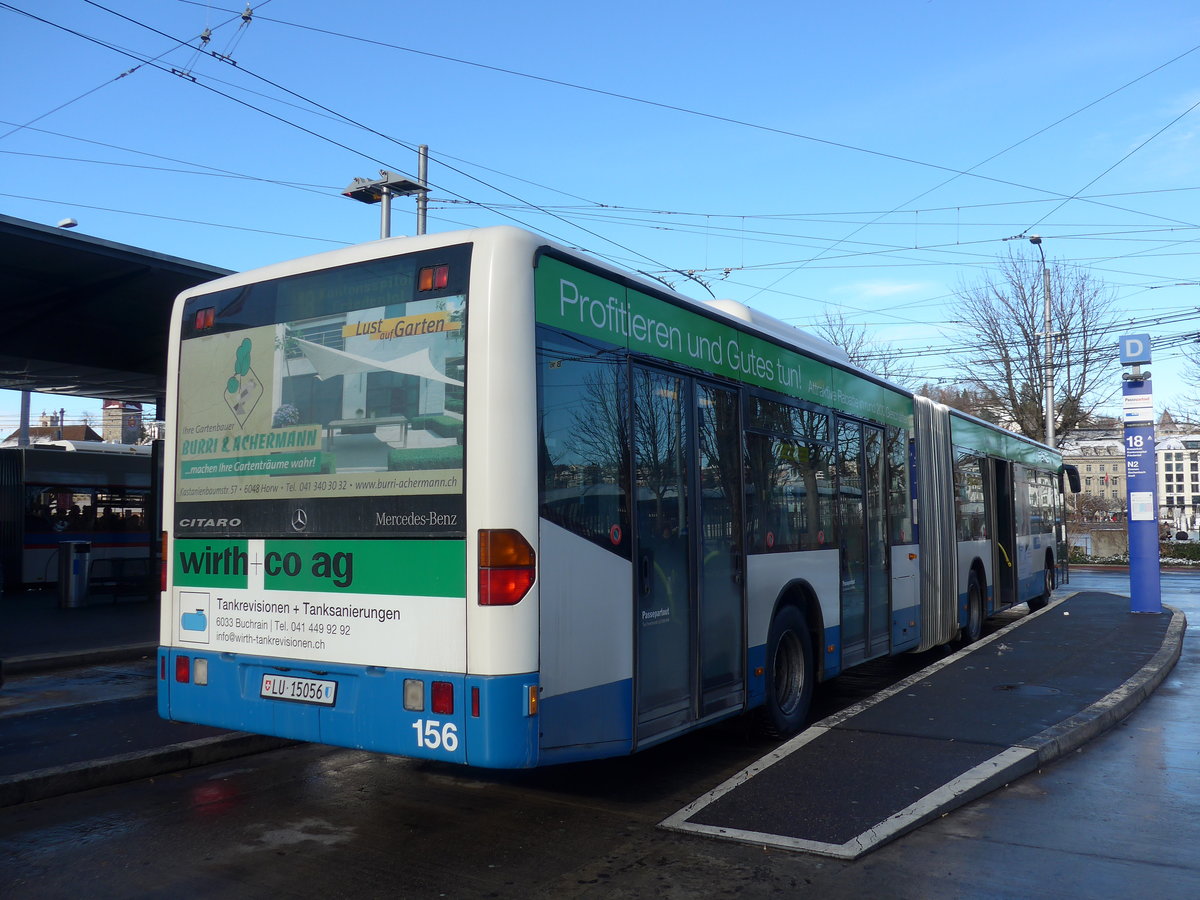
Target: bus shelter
83	317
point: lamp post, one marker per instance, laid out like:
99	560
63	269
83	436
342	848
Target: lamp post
1036	240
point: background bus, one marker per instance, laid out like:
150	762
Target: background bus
478	498
72	491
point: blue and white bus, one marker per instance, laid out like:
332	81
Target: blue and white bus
64	492
479	498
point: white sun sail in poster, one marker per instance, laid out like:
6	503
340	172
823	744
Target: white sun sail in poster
329	363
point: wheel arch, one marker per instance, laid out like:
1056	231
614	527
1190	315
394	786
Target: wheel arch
801	594
979	570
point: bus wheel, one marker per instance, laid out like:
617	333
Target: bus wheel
1047	587
973	630
790	673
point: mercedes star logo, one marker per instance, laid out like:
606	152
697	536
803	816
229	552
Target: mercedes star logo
299	520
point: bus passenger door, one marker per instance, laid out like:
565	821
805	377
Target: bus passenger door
862	515
1003	522
720	498
688	564
663	583
878	582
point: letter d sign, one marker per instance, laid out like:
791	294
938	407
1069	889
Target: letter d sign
1135	349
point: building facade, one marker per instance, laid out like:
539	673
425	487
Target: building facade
1178	458
1100	457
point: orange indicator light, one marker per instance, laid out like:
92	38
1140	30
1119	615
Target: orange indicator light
433	278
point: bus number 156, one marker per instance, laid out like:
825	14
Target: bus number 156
432	734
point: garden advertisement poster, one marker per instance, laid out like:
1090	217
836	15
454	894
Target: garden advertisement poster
300	410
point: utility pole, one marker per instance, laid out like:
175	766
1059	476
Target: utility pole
423	180
23	433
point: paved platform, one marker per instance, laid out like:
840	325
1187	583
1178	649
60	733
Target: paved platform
77	703
78	711
959	729
36	632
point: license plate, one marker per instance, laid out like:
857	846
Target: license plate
301	690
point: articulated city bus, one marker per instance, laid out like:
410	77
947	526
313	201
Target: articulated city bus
479	498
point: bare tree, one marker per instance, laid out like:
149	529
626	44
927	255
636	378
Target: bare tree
1005	361
1088	508
961	397
597	441
874	356
1190	375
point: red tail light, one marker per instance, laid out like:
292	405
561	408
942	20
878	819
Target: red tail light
503	587
507	567
442	701
183	669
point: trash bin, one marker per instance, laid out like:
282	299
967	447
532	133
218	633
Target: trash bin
74	560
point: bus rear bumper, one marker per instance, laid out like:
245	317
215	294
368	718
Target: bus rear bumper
480	721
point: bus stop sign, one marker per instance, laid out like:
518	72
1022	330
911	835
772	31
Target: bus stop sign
1135	349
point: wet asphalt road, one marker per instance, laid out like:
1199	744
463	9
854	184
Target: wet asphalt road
1119	818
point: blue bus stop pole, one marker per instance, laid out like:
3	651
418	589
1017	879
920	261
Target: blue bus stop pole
1141	479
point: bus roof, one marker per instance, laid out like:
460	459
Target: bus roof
98	447
780	329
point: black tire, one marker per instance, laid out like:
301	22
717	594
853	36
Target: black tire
1040	602
790	673
973	630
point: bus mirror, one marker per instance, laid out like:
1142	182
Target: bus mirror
1072	473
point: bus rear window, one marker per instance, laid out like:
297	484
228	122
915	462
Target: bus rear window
327	404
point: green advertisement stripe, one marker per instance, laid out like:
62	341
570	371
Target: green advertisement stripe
980	438
595	307
419	568
217	564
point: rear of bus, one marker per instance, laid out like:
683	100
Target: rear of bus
328	576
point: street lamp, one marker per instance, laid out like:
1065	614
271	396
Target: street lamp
389	185
1036	240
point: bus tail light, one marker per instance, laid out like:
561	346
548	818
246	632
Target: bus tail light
188	670
503	587
507	567
433	278
162	564
442	699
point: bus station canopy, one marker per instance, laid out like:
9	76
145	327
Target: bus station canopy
84	316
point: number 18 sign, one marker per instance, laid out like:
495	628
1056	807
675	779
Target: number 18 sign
1145	589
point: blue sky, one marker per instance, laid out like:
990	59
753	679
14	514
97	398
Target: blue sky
864	156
